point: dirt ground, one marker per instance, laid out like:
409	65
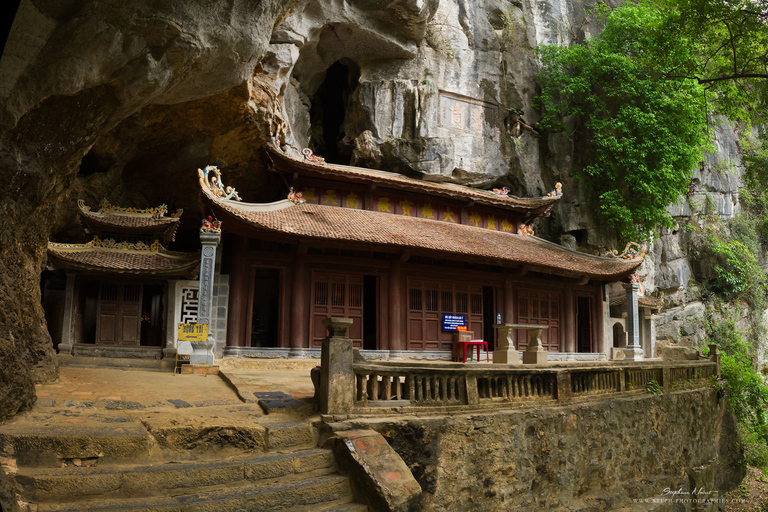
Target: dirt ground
752	495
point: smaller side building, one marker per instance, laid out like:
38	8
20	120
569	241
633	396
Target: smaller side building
120	288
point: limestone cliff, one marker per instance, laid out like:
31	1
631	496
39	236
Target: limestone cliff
125	100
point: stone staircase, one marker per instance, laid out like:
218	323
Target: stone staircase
59	472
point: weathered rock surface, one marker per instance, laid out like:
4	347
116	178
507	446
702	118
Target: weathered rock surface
596	456
70	72
105	99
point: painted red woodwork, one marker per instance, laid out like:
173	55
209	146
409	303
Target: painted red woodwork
336	294
119	314
541	308
428	301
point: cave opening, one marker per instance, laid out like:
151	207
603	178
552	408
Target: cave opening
330	108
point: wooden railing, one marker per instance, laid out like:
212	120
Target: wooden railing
346	386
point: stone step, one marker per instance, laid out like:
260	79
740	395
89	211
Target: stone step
41	444
49	484
271	496
342	505
139	363
289	435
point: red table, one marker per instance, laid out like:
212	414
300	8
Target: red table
471	343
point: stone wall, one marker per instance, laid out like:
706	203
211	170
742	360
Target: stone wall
597	455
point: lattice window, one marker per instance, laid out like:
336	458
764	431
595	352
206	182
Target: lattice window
476	303
188	305
132	293
109	292
461	302
321	294
355	295
431	300
414	299
337	294
446	301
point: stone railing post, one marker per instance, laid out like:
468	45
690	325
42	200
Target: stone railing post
714	356
337	377
203	351
505	353
633	351
563	380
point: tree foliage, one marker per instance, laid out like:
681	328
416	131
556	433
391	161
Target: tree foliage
643	128
729	43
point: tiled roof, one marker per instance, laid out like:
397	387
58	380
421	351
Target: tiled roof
642	300
117	261
132	223
324	223
537	206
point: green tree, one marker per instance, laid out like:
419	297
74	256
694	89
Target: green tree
730	43
642	127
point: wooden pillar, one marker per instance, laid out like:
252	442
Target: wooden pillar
509	301
396	305
68	321
569	319
299	314
238	318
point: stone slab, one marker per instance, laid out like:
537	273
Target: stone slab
379	476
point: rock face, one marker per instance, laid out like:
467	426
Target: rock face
71	72
595	456
124	101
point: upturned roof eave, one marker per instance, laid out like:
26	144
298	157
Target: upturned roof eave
541	206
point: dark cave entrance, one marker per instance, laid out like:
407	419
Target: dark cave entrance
330	106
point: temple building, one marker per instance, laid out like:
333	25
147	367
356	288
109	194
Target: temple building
120	288
399	256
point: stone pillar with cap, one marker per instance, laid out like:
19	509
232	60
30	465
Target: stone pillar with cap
337	378
505	353
634	351
210	236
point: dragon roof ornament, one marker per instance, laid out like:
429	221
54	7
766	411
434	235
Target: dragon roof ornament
632	251
210	178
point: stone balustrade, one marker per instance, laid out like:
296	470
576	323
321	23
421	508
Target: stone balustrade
414	386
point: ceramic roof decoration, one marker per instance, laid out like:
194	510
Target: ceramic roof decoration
210	226
311	222
210	179
557	191
632	250
309	155
135	221
281	161
296	197
111	257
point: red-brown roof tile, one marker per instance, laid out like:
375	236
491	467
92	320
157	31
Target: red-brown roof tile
324	223
131	223
642	300
117	261
536	206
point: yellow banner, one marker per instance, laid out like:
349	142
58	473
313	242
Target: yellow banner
193	332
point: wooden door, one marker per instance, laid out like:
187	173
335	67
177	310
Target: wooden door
539	308
119	314
337	294
428	301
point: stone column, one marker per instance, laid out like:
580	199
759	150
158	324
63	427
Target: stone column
633	352
67	327
337	378
203	351
505	353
